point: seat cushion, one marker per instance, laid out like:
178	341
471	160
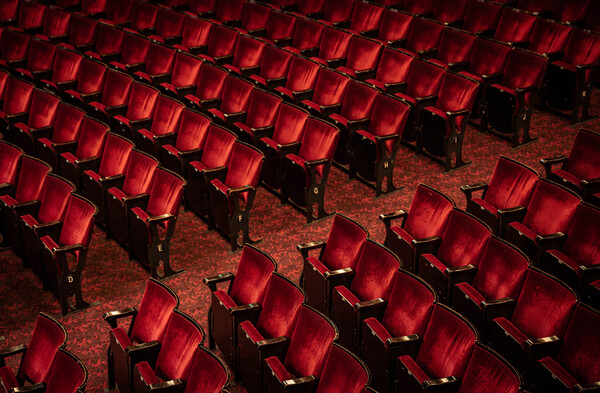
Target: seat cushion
121	337
414	368
511	330
486	206
379	330
225	299
558	371
347	295
523	230
471	293
314	262
147	373
251	331
278	369
8	378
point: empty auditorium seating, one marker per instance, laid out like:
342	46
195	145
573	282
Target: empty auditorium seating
454	49
343	372
328	93
549	38
245	287
397	330
365	19
338	13
279	28
17	102
10	160
488	371
261	117
333	48
113	98
273	67
203	8
300	79
220	45
138	112
514	27
9	12
40	57
254	18
392	71
134	51
118	11
481	18
423	37
164	124
67	375
142	17
233	101
306	37
186	69
450	14
168	26
246	56
82	33
362	59
574	13
108	43
159	64
55	26
65	71
209	86
194	35
31	17
394	28
89	83
229	12
148	324
35	365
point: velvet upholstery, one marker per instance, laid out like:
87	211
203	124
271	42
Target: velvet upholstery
488	372
142	16
343	372
329	90
235	98
365	18
514	27
392	70
572	12
444	353
274	64
363	57
338	12
108	41
44	106
115	94
246	287
218	147
423	7
186	69
449	14
424	222
279	27
543	310
64	68
334	45
209	87
208	373
140	107
148	324
454	49
31	16
10	159
165	122
394	27
221	44
68	374
261	116
134	51
277	318
307	36
229	12
301	77
424	36
168	25
39	58
548	37
90	79
247	54
118	12
234	196
55	25
13	46
8	11
481	18
194	35
510	187
159	64
376	272
36	363
82	31
17	101
405	319
254	18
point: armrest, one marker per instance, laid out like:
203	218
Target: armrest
212	281
371	308
593	387
321	161
498	308
335	63
427	53
459	66
275	82
309	52
587	66
41	132
509	215
223	59
327	110
461	274
239	190
155	220
305	248
553	241
38	387
21	348
289	148
427	245
261	132
304	384
234	117
171	386
302	94
541	347
358	124
276	346
112	181
365	74
113	317
399	43
553	56
387	218
469	189
404	345
457	113
339	273
395	87
492	78
139	200
447	384
145	351
590	187
51	229
68	249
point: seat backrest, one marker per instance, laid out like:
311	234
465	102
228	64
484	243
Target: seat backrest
319	140
334	43
581	345
118	11
40	55
330	87
428	213
31	15
47	337
143	15
165	193
91	138
142	101
10	158
185	69
262	109
108	38
424	79
180	342
218	146
582	158
289	125
82	29
160	59
154	312
449	12
54	198
236	95
481	16
252	276
338	10
393	66
66	65
358	100
115	155
8	10
195	31
514	26
410	305
309	343
117	86
32	175
455	45
56	22
423	34
208	373
457	93
573	11
244	167
279	25
248	51
68	374
302	74
487	57
365	17
582	243
68	123
78	222
394	25
511	185
343	372
548	36
275	62
221	41
447	344
363	53
524	69
139	173
92	7
551	208
168	22
389	116
167	115
464	240
307	34
344	243
544	306
254	16
134	48
231	10
375	272
211	81
17	96
90	76
309	7
44	106
420	7
280	307
488	372
193	130
501	270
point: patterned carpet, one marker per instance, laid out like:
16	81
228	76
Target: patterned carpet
115	282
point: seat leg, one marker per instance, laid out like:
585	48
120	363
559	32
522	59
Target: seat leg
211	339
111	369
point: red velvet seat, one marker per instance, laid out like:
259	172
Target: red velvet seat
338	12
577	261
272	69
64	134
515	27
574	13
567	370
114	97
246	56
254	18
134	51
64	248
463	243
8	12
356	108
421	228
538	322
139	109
285	138
423	37
482	294
450	14
343	372
422	86
159	64
481	18
509	103
4	74
305	170
203	8
148	324
10	161
212	165
398	329
220	45
549	38
579	171
186	70
106	172
262	327
31	17
109	39
301	363
118	11
362	59
209	87
310	8
68	375
143	16
168	26
392	71
366	19
173	361
89	149
194	35
40	57
90	80
333	49
39	123
208	373
454	50
17	101
65	71
82	32
300	80
231	199
189	143
32	174
261	116
328	93
536	7
394	28
35	365
165	121
233	101
569	78
442	126
139	175
227	308
374	143
306	37
55	25
442	357
367	291
229	12
279	28
487	371
418	7
546	220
